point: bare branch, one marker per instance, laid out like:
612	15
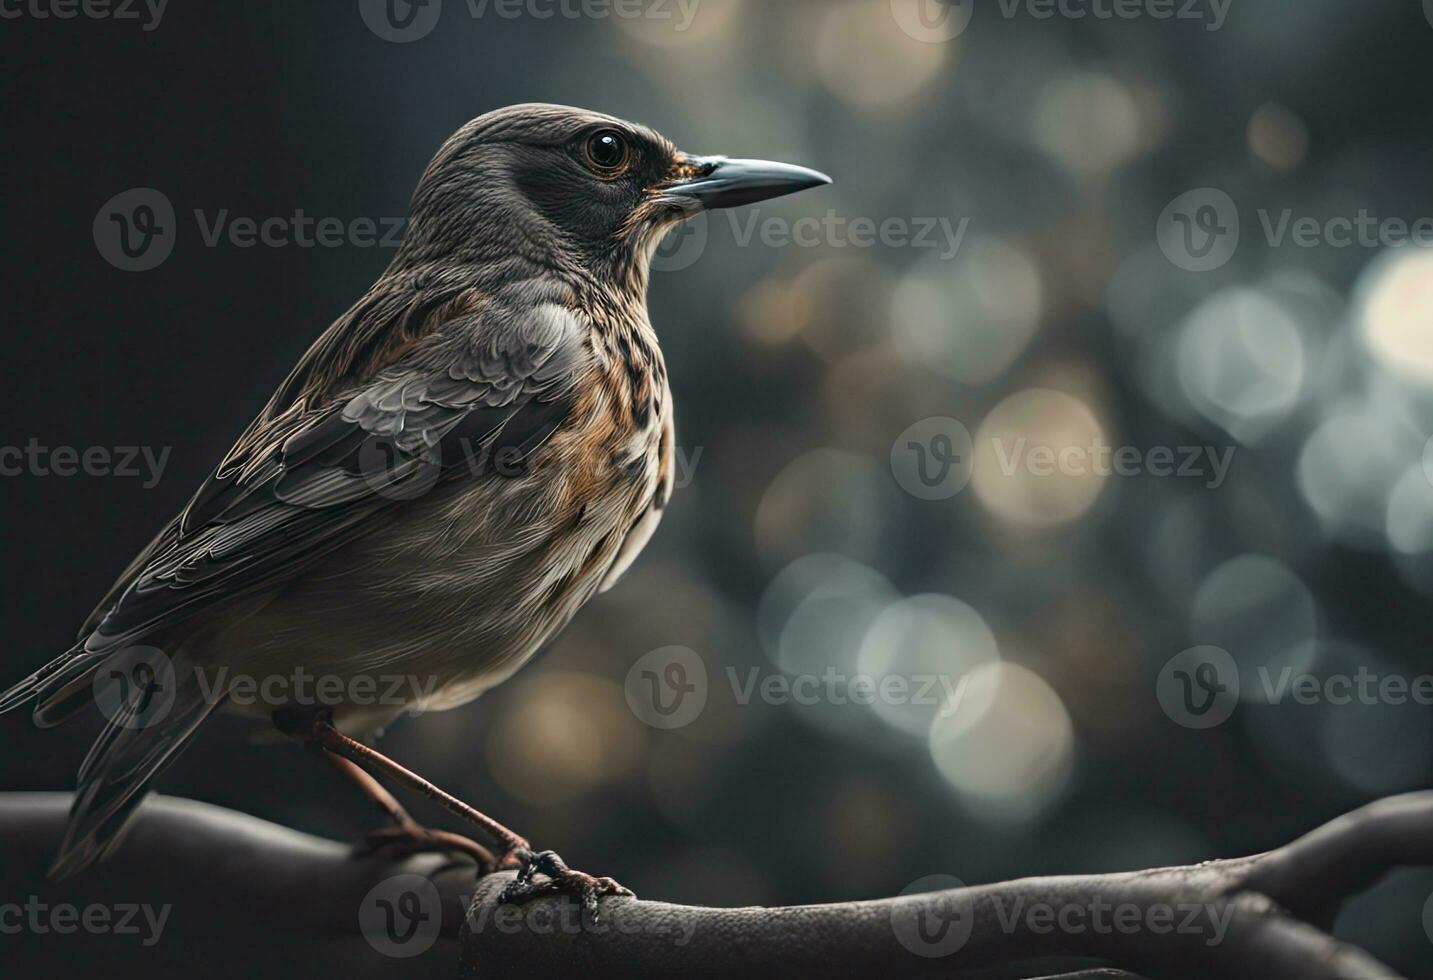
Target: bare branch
271	899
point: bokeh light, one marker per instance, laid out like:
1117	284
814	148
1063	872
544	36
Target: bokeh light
1008	748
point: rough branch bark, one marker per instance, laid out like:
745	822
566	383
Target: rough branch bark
248	897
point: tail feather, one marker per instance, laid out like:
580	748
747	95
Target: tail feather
138	743
69	690
31	686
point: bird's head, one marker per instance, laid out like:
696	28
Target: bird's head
576	191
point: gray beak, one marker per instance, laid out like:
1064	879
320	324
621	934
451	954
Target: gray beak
725	183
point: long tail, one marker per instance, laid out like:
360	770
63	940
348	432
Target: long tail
61	687
149	725
154	707
30	687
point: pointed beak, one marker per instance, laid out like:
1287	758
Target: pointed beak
720	182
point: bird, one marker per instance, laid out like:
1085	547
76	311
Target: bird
471	452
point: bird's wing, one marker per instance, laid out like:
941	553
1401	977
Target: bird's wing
502	380
403	307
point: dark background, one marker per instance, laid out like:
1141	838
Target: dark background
795	369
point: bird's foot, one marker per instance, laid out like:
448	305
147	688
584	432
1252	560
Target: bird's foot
557	879
405	839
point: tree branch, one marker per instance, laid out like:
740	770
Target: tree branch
247	897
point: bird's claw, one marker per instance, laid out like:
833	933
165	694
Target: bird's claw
558	879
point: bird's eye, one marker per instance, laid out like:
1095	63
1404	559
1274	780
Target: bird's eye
607	152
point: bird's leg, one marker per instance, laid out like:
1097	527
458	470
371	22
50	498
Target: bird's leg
403	834
370	787
352	750
558	878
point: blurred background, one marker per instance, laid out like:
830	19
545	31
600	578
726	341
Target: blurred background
1077	284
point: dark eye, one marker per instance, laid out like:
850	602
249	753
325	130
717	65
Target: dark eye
607	152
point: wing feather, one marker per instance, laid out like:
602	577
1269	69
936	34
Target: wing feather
317	477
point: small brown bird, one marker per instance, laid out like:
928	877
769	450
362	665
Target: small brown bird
470	453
